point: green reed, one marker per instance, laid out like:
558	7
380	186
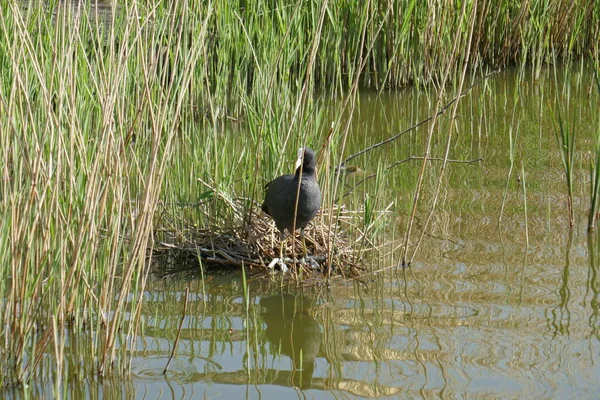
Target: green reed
595	166
92	113
84	152
565	136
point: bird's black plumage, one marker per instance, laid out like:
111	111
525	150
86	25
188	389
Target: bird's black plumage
281	194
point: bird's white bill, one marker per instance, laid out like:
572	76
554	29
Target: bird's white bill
299	158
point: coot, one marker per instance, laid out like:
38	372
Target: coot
282	194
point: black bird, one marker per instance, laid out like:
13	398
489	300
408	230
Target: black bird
282	195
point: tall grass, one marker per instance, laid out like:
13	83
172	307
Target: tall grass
91	113
79	193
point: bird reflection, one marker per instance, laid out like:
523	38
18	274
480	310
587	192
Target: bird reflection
293	332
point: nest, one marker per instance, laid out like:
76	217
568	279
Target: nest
255	244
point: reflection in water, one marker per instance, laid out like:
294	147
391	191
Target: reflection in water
561	317
593	283
294	333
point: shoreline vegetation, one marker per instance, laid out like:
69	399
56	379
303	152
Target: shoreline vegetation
402	43
91	116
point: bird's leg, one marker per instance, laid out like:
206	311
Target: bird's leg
304	253
282	244
305	260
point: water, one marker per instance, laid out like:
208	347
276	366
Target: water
489	308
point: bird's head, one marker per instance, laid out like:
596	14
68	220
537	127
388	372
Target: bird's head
307	159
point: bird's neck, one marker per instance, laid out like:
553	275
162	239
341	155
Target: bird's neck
306	172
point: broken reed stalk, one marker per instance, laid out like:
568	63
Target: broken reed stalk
441	111
181	321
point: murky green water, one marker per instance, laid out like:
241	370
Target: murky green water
488	309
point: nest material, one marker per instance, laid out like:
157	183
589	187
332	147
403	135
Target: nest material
255	244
